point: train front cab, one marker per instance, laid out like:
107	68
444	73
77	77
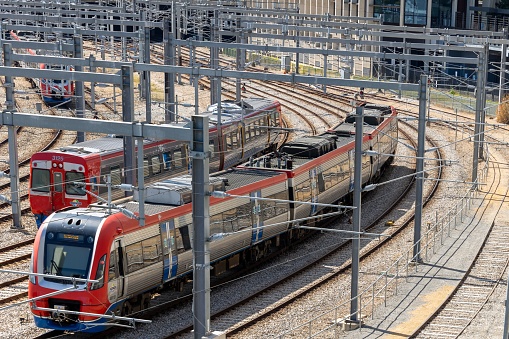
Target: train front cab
60	250
52	187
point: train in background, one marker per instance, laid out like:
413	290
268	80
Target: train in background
53	91
249	128
131	262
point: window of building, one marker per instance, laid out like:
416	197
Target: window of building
441	12
388	10
415	12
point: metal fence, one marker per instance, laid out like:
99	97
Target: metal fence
386	284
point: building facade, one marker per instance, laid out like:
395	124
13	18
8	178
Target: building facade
457	14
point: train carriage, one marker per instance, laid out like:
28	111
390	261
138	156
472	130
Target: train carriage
321	168
52	91
131	262
252	129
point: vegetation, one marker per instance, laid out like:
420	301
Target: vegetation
503	111
503	4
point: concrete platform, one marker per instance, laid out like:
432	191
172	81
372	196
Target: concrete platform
438	277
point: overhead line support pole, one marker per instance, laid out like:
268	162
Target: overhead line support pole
483	78
478	118
128	116
169	78
13	143
421	138
146	74
80	86
201	226
357	191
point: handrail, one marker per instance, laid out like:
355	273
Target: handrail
428	241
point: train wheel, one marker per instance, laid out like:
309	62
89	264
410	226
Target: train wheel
145	301
127	308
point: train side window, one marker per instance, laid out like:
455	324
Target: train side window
231	220
303	191
134	257
146	169
70	179
167	160
321	183
179	243
263	126
57	182
116	175
212	147
229	144
267	209
235	139
156	165
216	224
244	214
272	119
40	180
177	156
151	252
99	274
280	207
247	130
186	240
112	269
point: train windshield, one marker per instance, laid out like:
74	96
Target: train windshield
70	179
66	260
40	180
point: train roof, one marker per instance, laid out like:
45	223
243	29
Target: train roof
232	110
310	146
374	115
174	192
302	150
82	221
98	145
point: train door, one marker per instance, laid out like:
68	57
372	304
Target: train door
257	220
169	249
313	177
351	161
116	273
57	189
241	140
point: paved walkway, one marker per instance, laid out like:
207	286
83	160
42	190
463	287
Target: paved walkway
434	280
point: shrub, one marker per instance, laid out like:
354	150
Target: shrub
503	111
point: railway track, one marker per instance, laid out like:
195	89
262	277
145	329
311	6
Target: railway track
14	287
269	88
479	282
329	261
290	286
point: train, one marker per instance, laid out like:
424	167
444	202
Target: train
129	262
52	91
248	128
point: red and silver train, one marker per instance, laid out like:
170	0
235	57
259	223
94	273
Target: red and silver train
53	91
250	128
131	262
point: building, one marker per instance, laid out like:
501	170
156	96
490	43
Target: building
458	14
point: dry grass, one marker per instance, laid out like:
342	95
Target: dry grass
503	111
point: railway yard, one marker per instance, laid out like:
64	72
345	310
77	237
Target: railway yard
456	289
